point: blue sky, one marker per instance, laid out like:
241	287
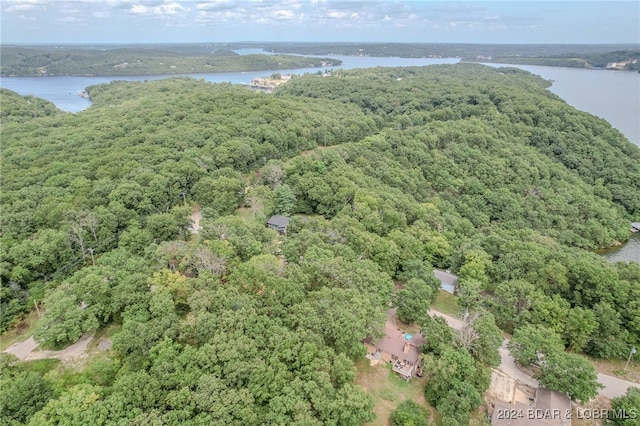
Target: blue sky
159	21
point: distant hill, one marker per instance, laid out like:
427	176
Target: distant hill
141	60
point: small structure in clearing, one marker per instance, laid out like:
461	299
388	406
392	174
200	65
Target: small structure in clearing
279	223
448	281
635	226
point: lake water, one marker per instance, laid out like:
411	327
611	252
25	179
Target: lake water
630	252
63	91
612	95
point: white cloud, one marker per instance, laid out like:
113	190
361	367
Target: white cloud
70	20
215	5
334	14
139	9
168	8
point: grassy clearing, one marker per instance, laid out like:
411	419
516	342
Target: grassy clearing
387	389
23	329
40	366
247	214
447	303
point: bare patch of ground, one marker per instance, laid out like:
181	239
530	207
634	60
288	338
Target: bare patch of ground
195	219
580	412
616	368
388	390
27	350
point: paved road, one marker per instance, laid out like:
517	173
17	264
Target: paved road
22	349
613	386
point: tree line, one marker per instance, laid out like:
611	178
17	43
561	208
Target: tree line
128	61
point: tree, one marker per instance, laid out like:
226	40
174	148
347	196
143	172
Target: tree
625	410
409	413
221	195
570	374
581	323
65	318
532	343
23	394
489	340
469	294
609	338
476	263
284	200
413	301
79	405
512	303
456	383
458	403
437	333
272	174
163	227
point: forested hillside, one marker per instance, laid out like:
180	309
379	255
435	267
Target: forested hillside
144	60
386	173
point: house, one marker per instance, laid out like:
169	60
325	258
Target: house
279	223
635	226
398	348
549	408
448	281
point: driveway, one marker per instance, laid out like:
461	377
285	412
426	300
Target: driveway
25	350
613	386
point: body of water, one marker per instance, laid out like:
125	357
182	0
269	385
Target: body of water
63	91
612	95
629	252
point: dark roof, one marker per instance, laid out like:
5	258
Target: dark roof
279	221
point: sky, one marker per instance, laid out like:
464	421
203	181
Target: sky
175	21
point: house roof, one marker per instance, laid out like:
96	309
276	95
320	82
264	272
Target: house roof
393	343
551	408
448	281
279	221
635	225
445	277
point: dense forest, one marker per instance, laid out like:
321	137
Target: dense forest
386	173
141	60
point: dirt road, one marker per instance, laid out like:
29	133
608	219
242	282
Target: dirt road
26	350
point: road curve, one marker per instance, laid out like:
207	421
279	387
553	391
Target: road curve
613	386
